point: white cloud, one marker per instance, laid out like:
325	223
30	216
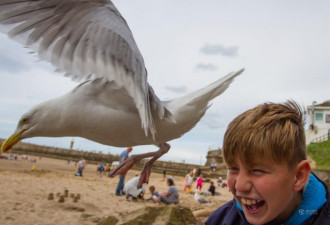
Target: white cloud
218	49
206	67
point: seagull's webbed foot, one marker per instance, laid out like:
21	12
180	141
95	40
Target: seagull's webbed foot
145	173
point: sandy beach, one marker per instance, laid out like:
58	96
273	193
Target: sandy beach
25	189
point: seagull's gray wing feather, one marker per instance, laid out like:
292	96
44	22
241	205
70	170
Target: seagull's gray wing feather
86	40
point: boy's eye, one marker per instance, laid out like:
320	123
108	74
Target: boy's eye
233	169
258	171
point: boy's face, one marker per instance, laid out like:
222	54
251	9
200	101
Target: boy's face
265	192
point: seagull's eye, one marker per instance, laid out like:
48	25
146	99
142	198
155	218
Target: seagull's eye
25	120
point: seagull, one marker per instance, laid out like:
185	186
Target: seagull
113	103
199	198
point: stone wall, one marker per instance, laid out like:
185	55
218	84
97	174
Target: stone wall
172	168
61	153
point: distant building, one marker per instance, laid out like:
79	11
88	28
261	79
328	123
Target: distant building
318	122
214	156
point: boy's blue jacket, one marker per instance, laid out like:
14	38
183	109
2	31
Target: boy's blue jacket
229	214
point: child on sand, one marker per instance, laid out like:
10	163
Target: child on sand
268	174
211	190
100	169
199	182
154	194
219	181
188	181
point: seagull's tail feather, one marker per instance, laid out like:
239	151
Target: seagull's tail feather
189	109
201	97
216	88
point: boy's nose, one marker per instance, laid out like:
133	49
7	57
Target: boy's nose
243	184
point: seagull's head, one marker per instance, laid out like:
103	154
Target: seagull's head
28	126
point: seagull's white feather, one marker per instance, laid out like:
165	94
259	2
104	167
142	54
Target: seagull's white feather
105	112
86	40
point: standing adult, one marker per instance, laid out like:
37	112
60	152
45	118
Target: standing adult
81	166
122	157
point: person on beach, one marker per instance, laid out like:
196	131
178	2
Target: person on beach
219	181
164	174
172	194
81	166
122	157
132	191
199	185
154	194
211	190
188	181
264	150
100	169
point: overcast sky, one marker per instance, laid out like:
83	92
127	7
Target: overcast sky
283	45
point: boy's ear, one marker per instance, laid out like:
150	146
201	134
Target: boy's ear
303	170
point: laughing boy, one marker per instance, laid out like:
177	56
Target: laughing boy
268	174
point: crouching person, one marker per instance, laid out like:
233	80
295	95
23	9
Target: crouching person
132	191
268	174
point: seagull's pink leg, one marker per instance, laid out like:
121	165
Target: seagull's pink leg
129	163
145	173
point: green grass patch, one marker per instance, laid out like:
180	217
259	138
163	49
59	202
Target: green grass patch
320	152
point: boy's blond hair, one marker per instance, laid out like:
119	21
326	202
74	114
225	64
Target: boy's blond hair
272	132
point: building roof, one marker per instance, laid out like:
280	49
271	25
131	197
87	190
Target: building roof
326	103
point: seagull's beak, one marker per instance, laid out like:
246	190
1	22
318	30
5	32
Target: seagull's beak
12	140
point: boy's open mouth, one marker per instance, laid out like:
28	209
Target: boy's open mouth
252	205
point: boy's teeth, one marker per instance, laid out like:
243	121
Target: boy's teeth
249	201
